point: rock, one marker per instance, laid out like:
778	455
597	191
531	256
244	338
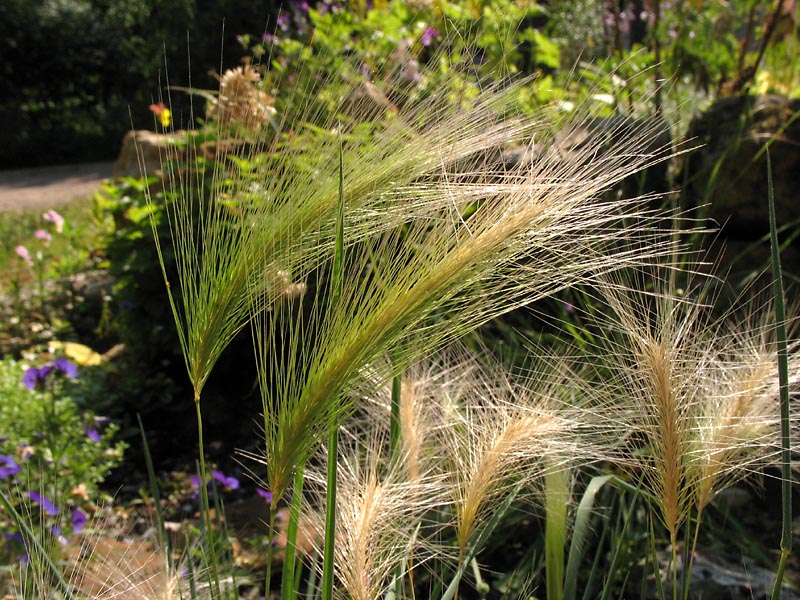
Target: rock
143	152
729	170
713	577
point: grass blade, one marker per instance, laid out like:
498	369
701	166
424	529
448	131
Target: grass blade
288	589
580	534
483	535
151	478
783	375
556	501
337	284
36	544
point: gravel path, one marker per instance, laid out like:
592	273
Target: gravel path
49	187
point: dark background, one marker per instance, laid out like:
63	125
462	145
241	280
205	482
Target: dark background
76	73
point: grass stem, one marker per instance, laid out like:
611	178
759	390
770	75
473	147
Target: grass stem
288	589
783	377
330	516
205	508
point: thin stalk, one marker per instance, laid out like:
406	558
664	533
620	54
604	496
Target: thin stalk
288	589
673	542
206	507
615	551
480	585
471	550
151	476
395	441
654	554
580	535
337	286
270	548
330	516
688	577
395	431
783	377
556	496
298	574
36	544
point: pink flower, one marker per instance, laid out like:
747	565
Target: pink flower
23	253
41	234
430	34
55	218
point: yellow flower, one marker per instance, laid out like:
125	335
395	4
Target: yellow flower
163	114
165	117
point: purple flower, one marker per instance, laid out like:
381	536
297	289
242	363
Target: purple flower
79	520
265	494
8	467
16	539
230	483
430	34
46	504
23	253
92	434
54	218
283	22
68	368
34	377
41	234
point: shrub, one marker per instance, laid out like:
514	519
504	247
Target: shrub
54	449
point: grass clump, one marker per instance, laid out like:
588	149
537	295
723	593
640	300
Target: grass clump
358	250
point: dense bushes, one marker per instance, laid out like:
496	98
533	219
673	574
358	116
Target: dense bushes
73	69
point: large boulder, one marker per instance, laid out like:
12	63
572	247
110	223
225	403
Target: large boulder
143	152
727	174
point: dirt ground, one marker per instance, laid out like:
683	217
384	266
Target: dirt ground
49	187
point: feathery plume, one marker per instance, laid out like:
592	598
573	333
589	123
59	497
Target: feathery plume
379	518
498	432
532	231
700	391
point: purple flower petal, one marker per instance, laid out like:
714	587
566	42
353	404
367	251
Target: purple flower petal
31	378
265	494
79	520
229	482
68	368
35	377
92	434
429	35
46	504
8	467
195	481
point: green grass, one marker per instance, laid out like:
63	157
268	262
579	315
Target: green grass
74	250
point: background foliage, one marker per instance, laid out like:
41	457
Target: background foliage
71	70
